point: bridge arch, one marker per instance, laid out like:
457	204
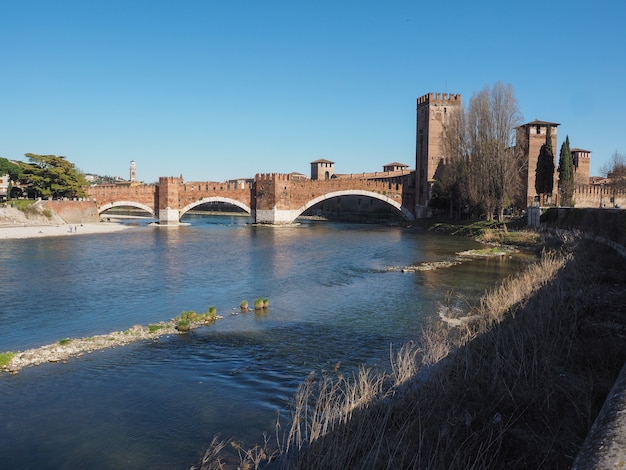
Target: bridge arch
406	213
206	200
138	205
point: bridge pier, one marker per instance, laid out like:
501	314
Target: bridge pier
275	216
169	216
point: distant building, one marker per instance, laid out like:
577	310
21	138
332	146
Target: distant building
395	166
133	171
322	169
4	186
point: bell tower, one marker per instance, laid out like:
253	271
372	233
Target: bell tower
133	171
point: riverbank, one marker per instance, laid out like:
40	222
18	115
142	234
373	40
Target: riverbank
36	221
14	232
518	385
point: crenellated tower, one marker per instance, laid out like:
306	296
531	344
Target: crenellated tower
581	159
322	169
529	138
434	114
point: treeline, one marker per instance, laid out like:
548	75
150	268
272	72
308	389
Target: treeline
46	176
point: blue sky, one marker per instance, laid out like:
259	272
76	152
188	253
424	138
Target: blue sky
215	90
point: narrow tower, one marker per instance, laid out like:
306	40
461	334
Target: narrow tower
133	171
530	137
434	111
582	160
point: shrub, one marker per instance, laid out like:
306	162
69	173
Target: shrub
5	358
154	328
183	325
244	305
258	304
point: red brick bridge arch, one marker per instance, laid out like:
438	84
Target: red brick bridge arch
270	198
210	199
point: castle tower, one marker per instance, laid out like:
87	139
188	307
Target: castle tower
582	160
530	137
133	171
434	112
322	169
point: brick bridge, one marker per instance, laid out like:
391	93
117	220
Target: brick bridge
269	198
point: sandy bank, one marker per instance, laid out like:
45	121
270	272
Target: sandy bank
36	231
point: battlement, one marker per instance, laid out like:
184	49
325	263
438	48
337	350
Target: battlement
439	98
581	153
170	180
272	176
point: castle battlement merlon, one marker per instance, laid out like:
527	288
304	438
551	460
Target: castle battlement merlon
439	98
272	176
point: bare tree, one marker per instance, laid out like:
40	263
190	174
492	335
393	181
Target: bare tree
452	175
484	145
615	169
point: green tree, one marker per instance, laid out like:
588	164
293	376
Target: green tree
9	168
566	174
53	176
544	174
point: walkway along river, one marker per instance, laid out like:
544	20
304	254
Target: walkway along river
337	296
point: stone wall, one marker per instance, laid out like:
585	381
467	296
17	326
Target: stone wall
74	212
607	224
598	196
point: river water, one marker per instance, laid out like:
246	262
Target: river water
158	404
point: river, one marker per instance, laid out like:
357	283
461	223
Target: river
333	300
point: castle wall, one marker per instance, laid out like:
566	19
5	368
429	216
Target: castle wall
598	196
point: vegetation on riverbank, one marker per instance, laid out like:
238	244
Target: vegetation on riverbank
492	232
518	385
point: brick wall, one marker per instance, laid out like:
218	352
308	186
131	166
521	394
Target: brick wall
74	212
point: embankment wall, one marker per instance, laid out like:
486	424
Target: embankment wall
605	445
74	212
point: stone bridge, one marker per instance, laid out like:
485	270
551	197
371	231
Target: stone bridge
269	198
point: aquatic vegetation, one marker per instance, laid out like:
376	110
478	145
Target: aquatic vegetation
5	358
153	328
64	341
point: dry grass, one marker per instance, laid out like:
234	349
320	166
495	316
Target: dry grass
516	387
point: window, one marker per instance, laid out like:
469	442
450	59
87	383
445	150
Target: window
538	129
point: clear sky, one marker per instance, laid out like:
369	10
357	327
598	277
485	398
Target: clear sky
221	89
